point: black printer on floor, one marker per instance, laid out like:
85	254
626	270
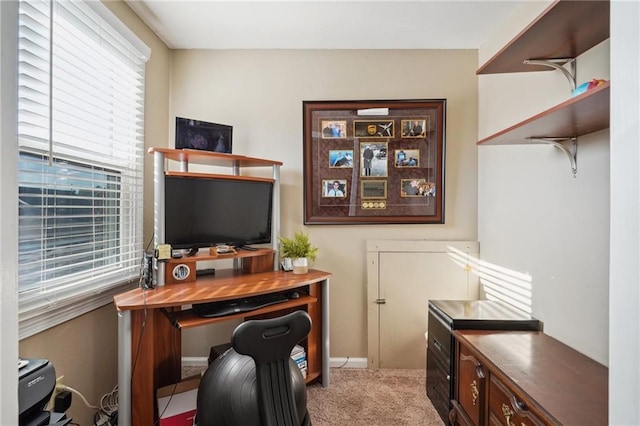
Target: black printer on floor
36	383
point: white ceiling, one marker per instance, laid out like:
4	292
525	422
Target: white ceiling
324	24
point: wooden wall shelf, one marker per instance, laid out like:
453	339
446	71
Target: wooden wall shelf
563	31
578	116
566	29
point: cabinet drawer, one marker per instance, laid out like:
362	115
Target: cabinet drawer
438	383
439	336
506	409
457	416
471	385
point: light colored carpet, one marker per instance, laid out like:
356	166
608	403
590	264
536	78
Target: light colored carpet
367	397
372	397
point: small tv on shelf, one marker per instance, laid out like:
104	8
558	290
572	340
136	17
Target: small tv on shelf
203	135
204	212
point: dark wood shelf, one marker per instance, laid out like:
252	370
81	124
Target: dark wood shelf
580	115
237	254
565	29
187	318
219	176
195	156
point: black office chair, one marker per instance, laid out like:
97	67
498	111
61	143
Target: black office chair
256	383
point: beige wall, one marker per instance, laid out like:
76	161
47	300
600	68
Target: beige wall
84	350
260	93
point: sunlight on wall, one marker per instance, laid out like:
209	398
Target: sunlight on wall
498	283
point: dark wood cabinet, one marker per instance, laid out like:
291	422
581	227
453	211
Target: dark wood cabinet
525	378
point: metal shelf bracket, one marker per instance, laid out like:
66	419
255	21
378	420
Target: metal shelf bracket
571	148
558	64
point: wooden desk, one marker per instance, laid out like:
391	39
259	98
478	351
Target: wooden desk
150	323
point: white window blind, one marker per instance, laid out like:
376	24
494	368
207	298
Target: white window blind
80	171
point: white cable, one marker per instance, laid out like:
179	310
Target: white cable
108	406
109	402
70	389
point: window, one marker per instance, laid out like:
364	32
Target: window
81	147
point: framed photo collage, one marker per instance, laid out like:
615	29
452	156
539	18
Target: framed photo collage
374	161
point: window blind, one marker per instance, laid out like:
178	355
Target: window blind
80	171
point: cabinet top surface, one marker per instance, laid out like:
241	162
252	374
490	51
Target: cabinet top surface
478	310
217	287
568	385
565	29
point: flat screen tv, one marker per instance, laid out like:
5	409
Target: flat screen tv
195	134
203	212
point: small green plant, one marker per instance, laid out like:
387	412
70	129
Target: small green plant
298	246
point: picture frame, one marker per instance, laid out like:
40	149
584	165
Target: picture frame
386	161
334	188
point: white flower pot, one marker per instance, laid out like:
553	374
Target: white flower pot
300	265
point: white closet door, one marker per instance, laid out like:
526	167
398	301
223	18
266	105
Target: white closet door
405	282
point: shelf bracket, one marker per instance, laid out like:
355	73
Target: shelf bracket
558	64
561	143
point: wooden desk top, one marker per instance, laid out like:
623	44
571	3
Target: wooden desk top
222	286
565	383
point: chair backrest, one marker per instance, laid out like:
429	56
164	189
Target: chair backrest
269	342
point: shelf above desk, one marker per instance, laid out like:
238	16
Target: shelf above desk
195	156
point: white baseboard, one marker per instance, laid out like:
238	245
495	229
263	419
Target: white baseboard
348	362
195	361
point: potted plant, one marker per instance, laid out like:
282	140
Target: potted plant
299	250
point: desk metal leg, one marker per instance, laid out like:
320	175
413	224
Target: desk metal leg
124	368
325	333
